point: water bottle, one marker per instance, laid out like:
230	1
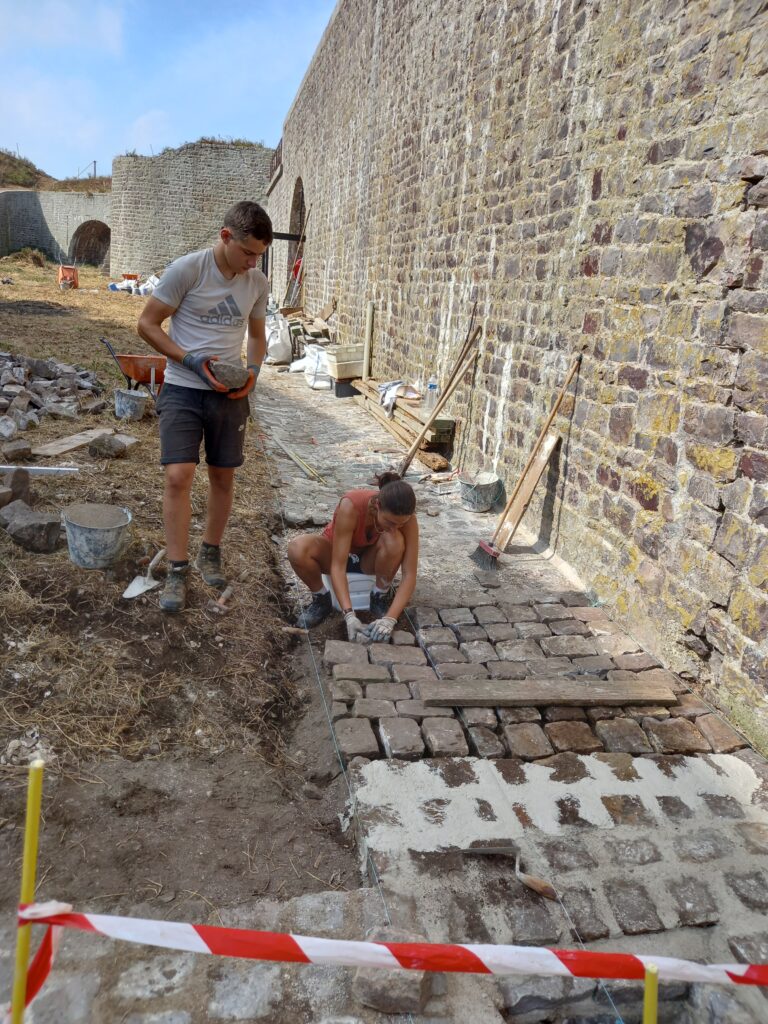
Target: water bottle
430	398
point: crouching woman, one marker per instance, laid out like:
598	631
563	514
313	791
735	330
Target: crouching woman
372	532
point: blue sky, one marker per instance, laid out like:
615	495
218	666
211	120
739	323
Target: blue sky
86	80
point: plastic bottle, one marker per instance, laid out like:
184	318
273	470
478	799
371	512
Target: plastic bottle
430	397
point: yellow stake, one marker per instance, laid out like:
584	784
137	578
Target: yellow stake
28	873
651	995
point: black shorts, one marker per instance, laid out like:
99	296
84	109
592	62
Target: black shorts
191	415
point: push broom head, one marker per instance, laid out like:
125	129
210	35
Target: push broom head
486	555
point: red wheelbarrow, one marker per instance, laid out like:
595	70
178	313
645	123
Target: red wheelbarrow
139	371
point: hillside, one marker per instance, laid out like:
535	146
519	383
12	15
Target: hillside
16	172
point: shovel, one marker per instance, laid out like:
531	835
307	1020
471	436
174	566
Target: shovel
141	584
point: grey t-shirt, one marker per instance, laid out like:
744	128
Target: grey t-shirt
211	312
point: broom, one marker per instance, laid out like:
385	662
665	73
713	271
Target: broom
486	554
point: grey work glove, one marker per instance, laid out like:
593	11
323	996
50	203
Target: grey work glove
381	630
355	629
199	364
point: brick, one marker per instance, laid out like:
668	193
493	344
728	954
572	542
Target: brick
456	616
567	854
575	736
401	738
388	654
362	673
485	743
339	652
387	691
636	662
569	627
622	735
431	635
527	741
633	908
345	690
721	737
489	613
696	907
751	889
564	714
588	925
633	851
569	646
444	654
675	736
416	710
365	708
496	631
356	739
402	638
515	716
518	650
479	651
702	846
444	737
479	716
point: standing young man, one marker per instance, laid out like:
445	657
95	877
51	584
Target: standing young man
209	296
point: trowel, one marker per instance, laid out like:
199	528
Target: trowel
141	584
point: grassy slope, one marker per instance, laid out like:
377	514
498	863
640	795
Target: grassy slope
17	172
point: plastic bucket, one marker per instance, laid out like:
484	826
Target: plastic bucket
130	405
479	494
360	587
97	535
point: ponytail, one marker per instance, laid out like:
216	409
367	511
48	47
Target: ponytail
395	495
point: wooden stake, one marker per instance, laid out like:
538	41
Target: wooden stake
651	995
28	875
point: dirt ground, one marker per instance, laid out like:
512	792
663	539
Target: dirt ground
189	763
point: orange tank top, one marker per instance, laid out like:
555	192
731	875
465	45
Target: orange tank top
362	537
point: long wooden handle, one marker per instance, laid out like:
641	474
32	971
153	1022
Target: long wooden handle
540	440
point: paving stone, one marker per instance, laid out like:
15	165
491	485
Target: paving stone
574	598
416	710
567	854
622	735
479	651
365	708
598	714
675	736
489	613
523	994
622	765
66	999
632	906
675	808
506	670
519	613
587	613
568	627
723	806
479	716
632	851
527	741
613	645
164	1017
636	662
496	631
575	736
751	889
695	904
410	673
688	706
338	710
594	663
553	612
626	809
755	836
641	711
661	675
402	638
721	737
423	616
518	650
568	646
629	996
387	691
456	616
362	673
587	924
6	496
401	738
516	716
566	767
339	652
702	846
155	978
466	634
548	667
750	949
532	630
444	737
388	654
246	992
485	743
462	670
392	991
532	924
487	578
356	739
557	713
431	635
345	690
444	654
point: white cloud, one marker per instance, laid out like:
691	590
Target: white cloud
62	24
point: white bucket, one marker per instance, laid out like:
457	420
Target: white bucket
97	535
130	405
360	587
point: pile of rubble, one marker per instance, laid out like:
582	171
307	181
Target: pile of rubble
33	388
34	531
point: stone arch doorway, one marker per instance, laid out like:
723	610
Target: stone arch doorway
90	244
296	223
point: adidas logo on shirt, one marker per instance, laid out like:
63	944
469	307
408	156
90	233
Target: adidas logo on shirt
227	314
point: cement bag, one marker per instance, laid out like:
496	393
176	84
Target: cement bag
316	371
278	341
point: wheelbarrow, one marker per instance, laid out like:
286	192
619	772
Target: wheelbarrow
139	371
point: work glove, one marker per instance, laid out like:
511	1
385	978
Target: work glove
200	365
355	629
247	388
381	630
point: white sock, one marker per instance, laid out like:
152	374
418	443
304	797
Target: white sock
380	590
322	590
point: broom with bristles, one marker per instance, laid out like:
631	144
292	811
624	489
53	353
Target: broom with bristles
486	554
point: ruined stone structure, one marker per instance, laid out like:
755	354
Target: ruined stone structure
67	226
596	176
170	204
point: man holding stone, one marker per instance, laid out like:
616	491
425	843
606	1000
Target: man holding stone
209	296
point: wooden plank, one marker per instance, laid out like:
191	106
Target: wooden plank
533	692
71	442
431	460
411	416
520	504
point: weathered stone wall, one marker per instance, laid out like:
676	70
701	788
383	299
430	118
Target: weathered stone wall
595	175
48	220
171	204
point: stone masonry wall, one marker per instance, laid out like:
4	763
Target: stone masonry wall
171	204
596	176
48	220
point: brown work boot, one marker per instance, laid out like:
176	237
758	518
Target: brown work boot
208	563
174	596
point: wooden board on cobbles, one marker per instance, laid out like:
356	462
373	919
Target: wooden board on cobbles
533	692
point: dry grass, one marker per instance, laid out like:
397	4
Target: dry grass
95	674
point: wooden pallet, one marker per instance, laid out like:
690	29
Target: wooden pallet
432	460
411	418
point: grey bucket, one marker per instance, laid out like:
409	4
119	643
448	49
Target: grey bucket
97	535
130	405
480	493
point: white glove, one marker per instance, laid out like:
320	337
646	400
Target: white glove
381	630
355	629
